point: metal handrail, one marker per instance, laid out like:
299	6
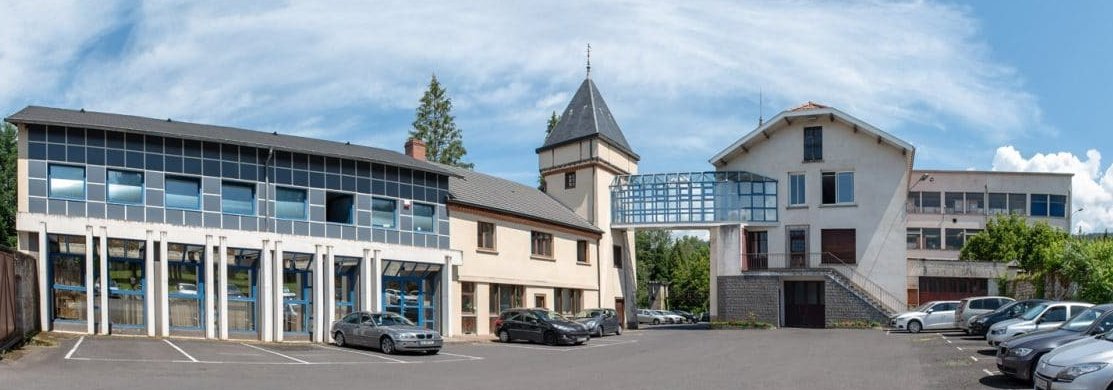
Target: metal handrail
826	260
850	272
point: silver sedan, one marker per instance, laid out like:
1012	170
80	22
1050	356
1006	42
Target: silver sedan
389	332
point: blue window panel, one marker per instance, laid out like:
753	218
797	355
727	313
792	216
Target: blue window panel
348	183
191	166
124	187
96	192
405	176
94	156
134	142
339	207
384	213
282	176
301	161
66	182
56	152
363	234
211	150
301	228
378	171
175	217
363	169
214	220
96	210
407	239
332	182
173	146
316	180
229	152
237	198
391	189
173	164
249	172
332	165
154	144
135	213
391	173
75	136
363	185
1039	205
1057	206
363	218
211	168
75	209
56	134
282	159
114	158
405	191
424	217
317	229
56	207
117	212
191	148
94	137
154	197
392	237
135	160
183	192
193	218
36	133
378	187
154	162
230	170
36	151
75	154
114	140
300	178
36	188
332	231
378	235
348	232
419	178
283	227
348	167
317	163
846	187
154	215
290	203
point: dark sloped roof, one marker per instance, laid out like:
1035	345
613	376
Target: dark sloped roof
163	127
587	115
488	192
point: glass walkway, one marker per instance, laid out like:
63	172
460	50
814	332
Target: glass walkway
692	199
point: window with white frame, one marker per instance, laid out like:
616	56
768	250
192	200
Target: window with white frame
838	188
796	189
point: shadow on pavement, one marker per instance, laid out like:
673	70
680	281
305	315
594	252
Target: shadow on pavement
1003	382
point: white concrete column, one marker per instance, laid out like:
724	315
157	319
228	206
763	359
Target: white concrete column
318	295
328	305
377	280
105	280
446	297
209	297
713	296
149	283
222	286
90	280
264	294
45	316
279	313
365	292
164	281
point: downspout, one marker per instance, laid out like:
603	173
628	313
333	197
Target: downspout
267	218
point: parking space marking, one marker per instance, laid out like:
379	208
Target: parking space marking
566	348
974	358
362	353
468	357
276	353
988	372
75	345
180	350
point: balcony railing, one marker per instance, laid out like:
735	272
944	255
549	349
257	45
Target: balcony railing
825	260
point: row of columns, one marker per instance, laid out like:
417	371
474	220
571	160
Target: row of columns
269	299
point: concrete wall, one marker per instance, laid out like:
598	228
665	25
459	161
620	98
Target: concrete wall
881	173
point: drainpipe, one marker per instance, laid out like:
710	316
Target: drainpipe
267	218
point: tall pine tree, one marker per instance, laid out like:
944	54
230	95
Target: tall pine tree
435	125
541	185
8	156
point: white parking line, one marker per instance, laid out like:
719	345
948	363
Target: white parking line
959	348
276	353
75	345
180	350
362	353
949	342
973	358
988	372
463	356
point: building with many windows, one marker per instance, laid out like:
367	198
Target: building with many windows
161	227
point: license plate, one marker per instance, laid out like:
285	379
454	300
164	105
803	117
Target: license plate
1043	384
426	343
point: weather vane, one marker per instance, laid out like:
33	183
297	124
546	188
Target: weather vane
589	60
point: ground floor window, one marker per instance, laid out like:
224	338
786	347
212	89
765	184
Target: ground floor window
569	301
67	275
412	290
297	291
186	285
243	282
467	307
503	297
126	277
346	286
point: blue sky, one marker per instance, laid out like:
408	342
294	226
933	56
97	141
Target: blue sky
1007	85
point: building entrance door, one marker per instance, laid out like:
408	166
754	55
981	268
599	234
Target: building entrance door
804	304
620	308
405	296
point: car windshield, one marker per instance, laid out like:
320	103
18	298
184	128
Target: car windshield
587	313
1006	307
923	307
549	315
1082	321
390	320
1034	312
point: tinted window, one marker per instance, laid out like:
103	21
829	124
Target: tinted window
289	203
352	318
996	303
1105	325
124	187
1074	310
978	304
67	182
238	198
382	213
423	217
946	306
1055	314
183	192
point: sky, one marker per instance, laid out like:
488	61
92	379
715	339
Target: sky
992	85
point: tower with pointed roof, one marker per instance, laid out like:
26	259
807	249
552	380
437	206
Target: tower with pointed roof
579	159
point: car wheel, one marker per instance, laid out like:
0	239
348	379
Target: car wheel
599	333
550	338
656	322
915	327
339	337
504	336
387	346
432	352
1032	370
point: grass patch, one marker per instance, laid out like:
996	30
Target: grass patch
854	324
746	324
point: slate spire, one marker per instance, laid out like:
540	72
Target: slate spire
585	117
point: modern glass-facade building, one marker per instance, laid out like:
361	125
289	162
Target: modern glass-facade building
178	228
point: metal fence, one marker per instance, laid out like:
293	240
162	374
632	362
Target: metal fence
18	301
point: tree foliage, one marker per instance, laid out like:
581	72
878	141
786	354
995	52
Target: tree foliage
1039	249
436	126
9	155
553	120
684	262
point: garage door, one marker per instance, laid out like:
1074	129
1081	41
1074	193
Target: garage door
804	304
944	289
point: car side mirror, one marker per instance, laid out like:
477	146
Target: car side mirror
929	311
1039	320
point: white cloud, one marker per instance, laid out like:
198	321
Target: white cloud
1092	188
665	68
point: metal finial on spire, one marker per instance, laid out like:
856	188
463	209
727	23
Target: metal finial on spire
760	107
589	60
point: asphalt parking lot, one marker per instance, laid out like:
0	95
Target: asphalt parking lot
679	356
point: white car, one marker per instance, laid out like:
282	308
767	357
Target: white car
1046	315
929	316
187	288
650	317
672	318
1082	364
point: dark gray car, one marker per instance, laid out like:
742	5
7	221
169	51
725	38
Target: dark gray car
600	321
389	332
1017	357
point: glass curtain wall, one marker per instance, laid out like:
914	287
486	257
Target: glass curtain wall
297	291
346	285
67	276
243	282
126	277
186	285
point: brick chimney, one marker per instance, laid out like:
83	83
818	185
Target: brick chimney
415	148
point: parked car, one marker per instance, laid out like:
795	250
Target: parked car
1083	364
1017	357
929	316
389	332
970	307
1043	316
600	321
187	288
539	325
705	317
650	317
672	318
691	318
979	325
